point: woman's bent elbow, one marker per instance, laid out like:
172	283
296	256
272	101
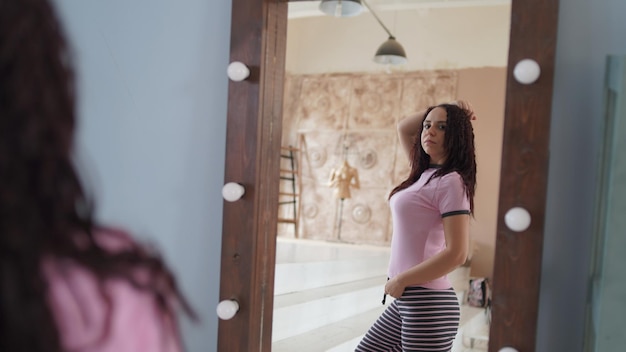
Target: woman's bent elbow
459	258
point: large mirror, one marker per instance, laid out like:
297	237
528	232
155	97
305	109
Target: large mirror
254	143
341	108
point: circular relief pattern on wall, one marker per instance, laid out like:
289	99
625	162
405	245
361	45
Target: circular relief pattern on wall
361	213
368	158
371	101
310	211
322	103
317	157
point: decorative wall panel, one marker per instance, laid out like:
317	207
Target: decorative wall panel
337	117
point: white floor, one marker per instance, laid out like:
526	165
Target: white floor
293	250
328	294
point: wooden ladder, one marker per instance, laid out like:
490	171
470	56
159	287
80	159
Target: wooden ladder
289	188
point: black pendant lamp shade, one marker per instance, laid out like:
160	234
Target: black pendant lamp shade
390	52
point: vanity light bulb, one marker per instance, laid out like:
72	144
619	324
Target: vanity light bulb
507	349
232	191
238	71
517	219
227	309
527	71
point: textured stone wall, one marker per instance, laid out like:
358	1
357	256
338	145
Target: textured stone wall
353	116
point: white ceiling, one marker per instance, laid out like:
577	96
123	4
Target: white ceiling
299	9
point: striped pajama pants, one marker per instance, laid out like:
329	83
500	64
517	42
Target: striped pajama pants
423	320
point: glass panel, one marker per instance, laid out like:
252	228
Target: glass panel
607	312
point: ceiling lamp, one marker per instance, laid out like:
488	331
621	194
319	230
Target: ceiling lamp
390	52
341	8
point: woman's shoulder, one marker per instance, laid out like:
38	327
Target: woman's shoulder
110	313
110	239
114	239
449	177
452	175
449	181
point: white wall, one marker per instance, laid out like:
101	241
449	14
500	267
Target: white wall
153	97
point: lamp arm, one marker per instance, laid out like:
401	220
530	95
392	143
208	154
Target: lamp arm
377	18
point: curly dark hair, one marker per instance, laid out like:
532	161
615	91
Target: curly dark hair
44	210
460	152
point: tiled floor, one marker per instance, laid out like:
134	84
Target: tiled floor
292	250
315	278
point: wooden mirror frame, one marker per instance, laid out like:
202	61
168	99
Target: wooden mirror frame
254	128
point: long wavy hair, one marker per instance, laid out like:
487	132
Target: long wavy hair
44	211
459	148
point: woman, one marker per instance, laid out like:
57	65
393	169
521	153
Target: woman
66	283
431	213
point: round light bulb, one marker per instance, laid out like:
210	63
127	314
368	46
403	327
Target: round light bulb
227	309
232	191
527	71
507	349
238	71
517	219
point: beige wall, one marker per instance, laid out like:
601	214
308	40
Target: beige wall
485	89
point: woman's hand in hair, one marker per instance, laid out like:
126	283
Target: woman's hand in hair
465	105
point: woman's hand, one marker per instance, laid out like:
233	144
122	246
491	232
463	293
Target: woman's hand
465	105
394	287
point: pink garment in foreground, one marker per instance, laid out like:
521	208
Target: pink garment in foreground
136	323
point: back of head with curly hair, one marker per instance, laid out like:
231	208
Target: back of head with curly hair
459	147
43	208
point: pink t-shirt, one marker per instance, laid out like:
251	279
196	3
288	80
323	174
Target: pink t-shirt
417	213
136	323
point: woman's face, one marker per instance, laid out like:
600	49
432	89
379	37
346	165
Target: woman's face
433	135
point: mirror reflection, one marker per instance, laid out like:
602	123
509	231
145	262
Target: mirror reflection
341	157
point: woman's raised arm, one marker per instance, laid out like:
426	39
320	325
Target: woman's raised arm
408	129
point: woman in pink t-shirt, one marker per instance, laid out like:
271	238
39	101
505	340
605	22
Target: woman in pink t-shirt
431	211
66	284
